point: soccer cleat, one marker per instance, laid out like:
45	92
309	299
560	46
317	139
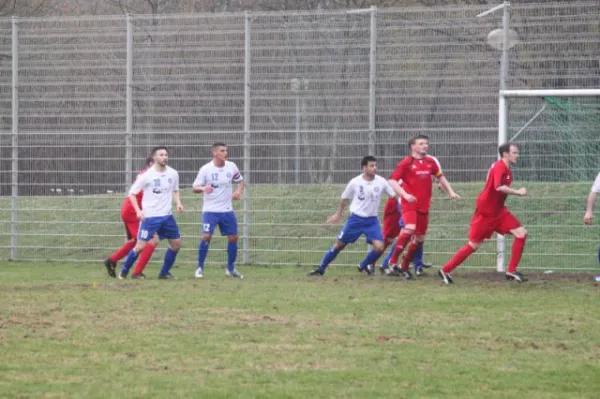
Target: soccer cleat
111	267
426	265
368	270
419	271
139	276
446	278
167	276
122	275
406	273
233	273
515	276
199	273
316	272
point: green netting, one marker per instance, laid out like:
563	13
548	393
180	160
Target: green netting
561	143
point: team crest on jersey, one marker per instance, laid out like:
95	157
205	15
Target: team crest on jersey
376	189
414	166
228	175
361	193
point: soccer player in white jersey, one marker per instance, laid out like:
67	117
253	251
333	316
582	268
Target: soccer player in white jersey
215	180
365	193
589	210
160	184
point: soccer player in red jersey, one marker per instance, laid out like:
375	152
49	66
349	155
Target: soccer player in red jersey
132	225
415	172
491	215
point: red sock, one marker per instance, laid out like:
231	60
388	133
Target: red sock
458	258
403	239
123	251
515	255
410	253
144	258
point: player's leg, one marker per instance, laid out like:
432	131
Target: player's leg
481	228
374	237
509	224
392	225
349	233
210	220
329	257
410	218
229	227
146	232
170	231
145	257
416	244
131	229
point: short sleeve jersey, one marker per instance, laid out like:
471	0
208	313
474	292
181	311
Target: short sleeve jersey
366	195
596	185
221	178
415	175
127	210
158	188
491	201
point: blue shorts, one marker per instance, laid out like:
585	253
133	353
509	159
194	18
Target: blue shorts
164	226
225	220
355	226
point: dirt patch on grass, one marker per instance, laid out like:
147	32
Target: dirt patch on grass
495	276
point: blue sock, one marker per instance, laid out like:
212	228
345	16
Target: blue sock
328	258
370	259
386	261
418	256
232	248
598	254
202	252
129	261
170	256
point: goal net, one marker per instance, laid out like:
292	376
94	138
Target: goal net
559	142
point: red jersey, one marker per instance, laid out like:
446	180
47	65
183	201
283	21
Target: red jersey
391	206
127	211
416	180
491	201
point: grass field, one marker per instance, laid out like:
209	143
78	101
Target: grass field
70	331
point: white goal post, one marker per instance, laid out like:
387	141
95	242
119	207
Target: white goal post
503	132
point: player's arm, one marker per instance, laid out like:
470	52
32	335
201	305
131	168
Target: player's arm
511	191
199	186
237	194
394	183
177	194
447	188
338	214
589	210
591	201
136	187
346	195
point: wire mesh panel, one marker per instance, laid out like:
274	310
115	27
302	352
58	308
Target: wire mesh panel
325	88
5	136
71	123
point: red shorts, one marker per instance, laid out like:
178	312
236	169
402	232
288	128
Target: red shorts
391	228
418	218
131	227
483	226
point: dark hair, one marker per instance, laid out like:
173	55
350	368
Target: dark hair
369	158
158	148
218	144
149	160
414	139
505	148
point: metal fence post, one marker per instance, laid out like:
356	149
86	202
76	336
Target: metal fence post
15	141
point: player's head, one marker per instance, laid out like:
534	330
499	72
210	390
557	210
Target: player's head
509	152
160	155
369	165
149	160
219	152
419	145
